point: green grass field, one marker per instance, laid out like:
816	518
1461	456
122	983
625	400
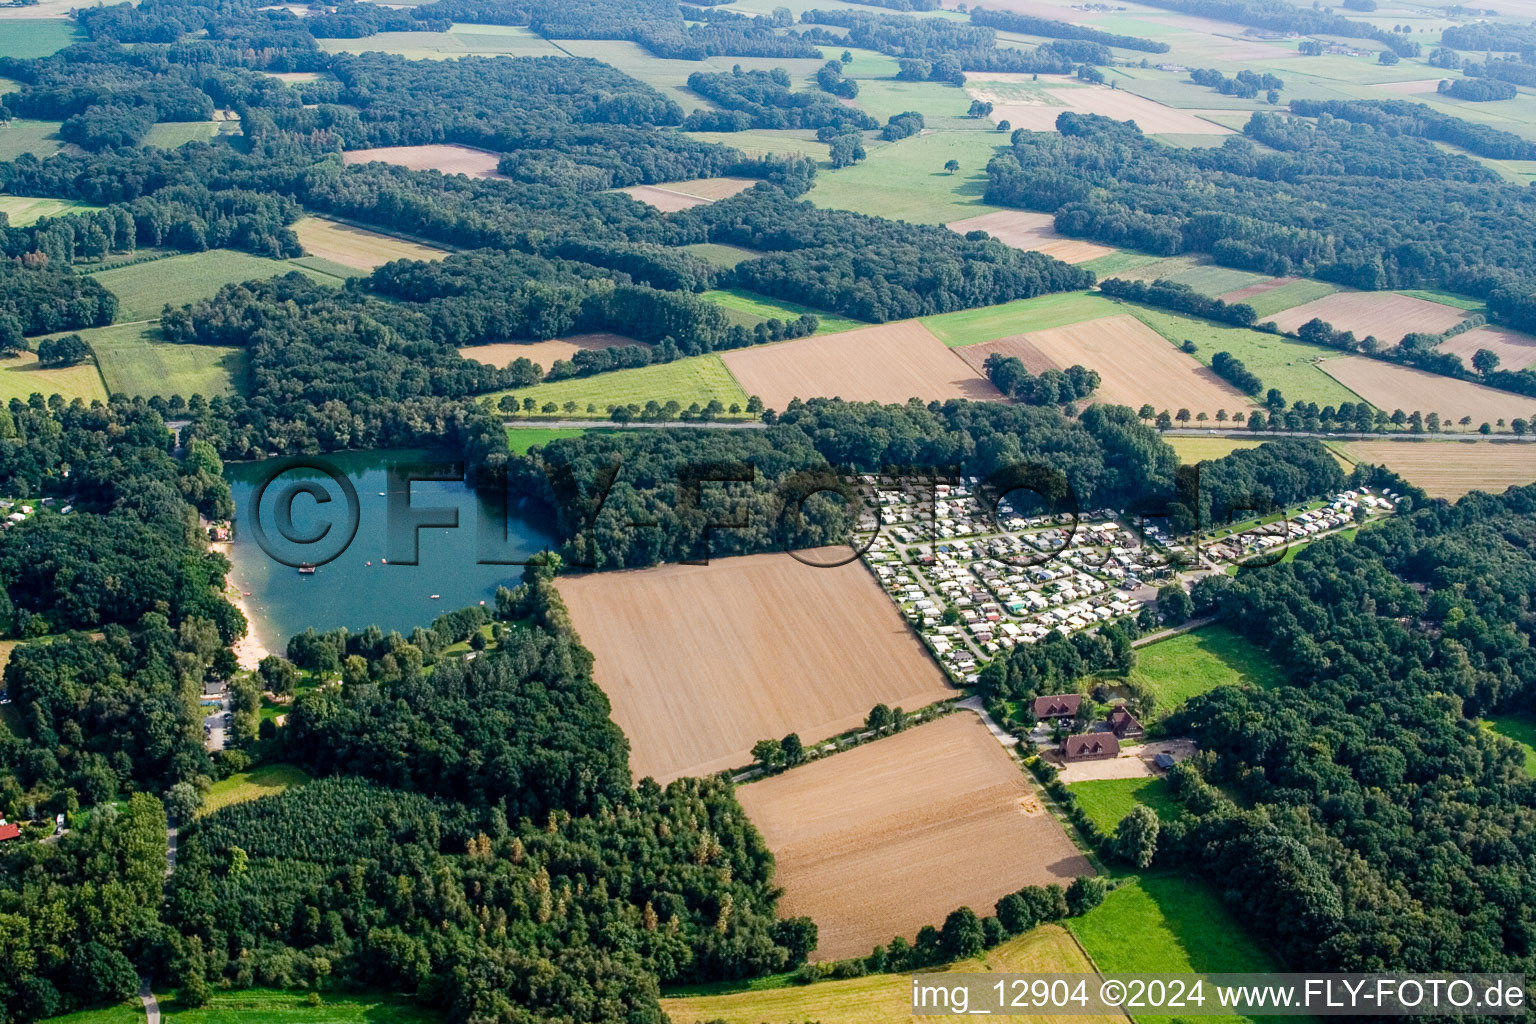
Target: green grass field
1279	362
767	141
750	309
25	210
170	134
520	439
1522	730
1192	663
718	255
21	377
943	106
970	326
1106	801
123	1013
1117	263
30	38
906	180
265	1006
697	379
1168	925
1203	276
23	135
135	361
144	289
459	41
268	780
1296	293
1196	449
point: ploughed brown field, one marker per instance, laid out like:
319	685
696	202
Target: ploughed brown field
445	157
545	353
680	195
1449	469
357	247
1135	364
702	661
1516	351
885	838
1390	386
1037	231
1071	94
1386	315
888	363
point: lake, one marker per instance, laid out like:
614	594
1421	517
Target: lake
366	584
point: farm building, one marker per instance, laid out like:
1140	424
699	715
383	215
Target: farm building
1092	746
1123	724
1061	705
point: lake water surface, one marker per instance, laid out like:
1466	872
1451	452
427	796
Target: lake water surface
364	585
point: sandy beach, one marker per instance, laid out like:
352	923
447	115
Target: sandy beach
249	650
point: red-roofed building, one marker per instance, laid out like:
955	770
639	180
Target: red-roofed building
9	832
1062	705
1090	746
1123	724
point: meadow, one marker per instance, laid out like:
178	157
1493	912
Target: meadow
21	377
1106	801
718	254
24	210
30	38
144	289
1197	449
170	134
135	361
269	1006
267	780
460	40
697	379
988	323
357	248
907	181
520	439
1521	729
749	309
23	135
1196	662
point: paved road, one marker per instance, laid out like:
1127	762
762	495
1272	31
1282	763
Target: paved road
1264	435
1000	734
147	997
639	425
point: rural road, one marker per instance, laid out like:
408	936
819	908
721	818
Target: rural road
641	425
1267	435
998	732
147	997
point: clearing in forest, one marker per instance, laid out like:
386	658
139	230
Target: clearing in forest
445	157
1026	103
1387	315
1391	386
357	247
702	661
888	363
544	353
680	195
1137	365
1448	469
888	837
1023	229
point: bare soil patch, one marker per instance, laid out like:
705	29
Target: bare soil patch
702	661
357	247
1151	117
1390	386
445	157
1516	351
1136	364
1017	346
888	363
681	195
1450	469
1410	88
1037	231
545	353
1386	315
888	837
664	199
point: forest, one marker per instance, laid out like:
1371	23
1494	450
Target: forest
1009	21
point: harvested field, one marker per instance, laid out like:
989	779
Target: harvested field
1516	351
681	195
1037	231
1038	108
448	158
885	838
889	363
665	200
701	662
1390	386
357	247
882	998
1410	88
545	353
1387	315
1449	469
1136	363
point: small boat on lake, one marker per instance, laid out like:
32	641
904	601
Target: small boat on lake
306	569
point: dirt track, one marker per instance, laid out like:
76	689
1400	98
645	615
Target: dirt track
883	839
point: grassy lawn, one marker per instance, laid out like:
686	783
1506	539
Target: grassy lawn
1287	296
170	134
697	379
1192	663
907	181
25	210
144	289
750	309
1279	362
265	1006
1117	263
1198	273
943	106
30	38
1521	729
122	1013
268	780
719	255
1106	801
1168	925
134	361
520	439
764	141
23	135
1197	449
1445	298
21	377
970	326
878	998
